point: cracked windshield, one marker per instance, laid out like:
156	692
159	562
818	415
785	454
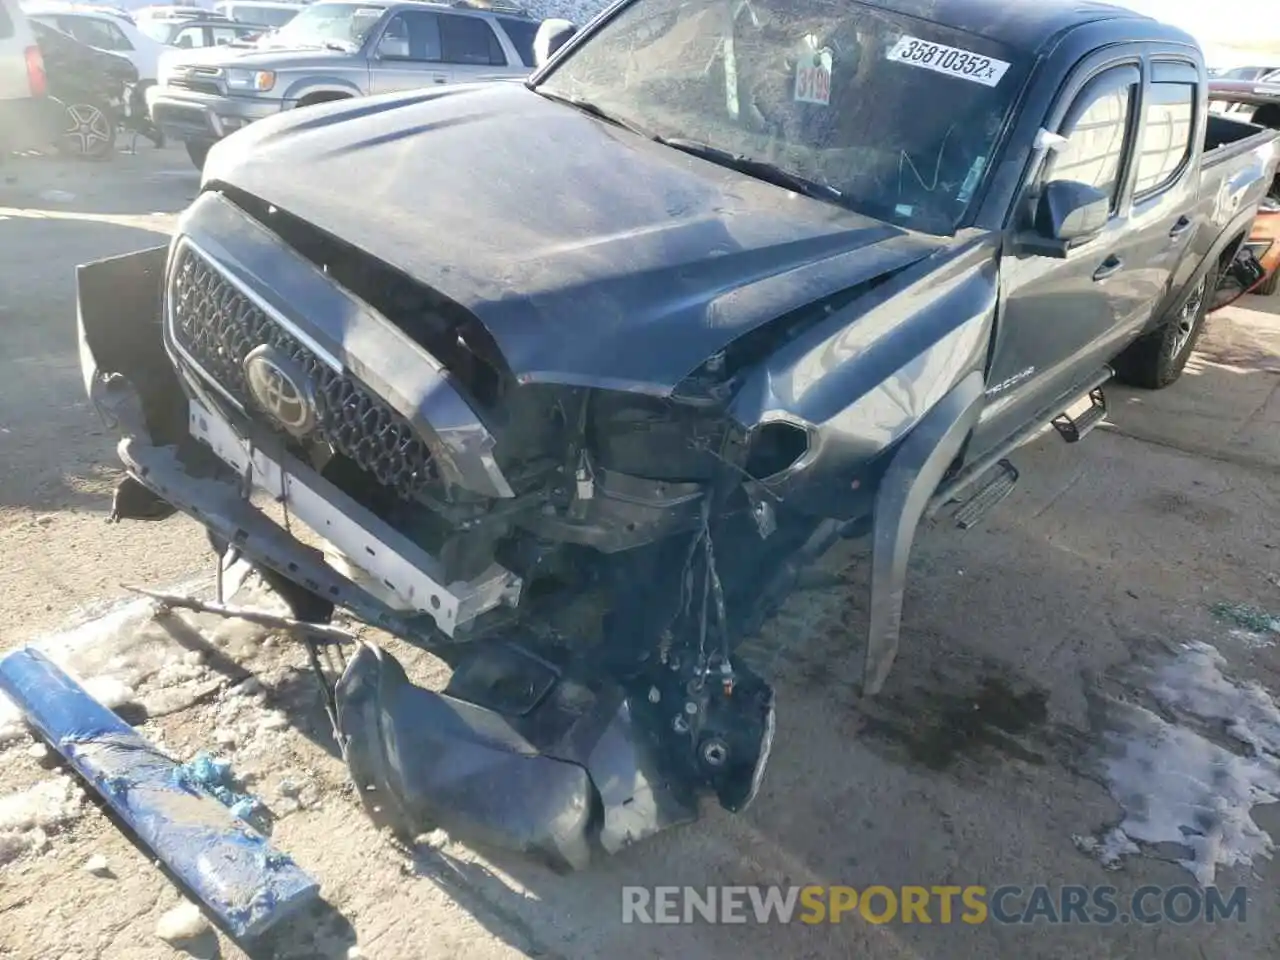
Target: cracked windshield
887	115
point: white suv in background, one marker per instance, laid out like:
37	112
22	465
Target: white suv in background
29	118
104	30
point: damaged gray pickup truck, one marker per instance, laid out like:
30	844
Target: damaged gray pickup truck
567	381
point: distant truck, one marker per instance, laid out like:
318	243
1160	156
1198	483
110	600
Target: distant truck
569	380
334	51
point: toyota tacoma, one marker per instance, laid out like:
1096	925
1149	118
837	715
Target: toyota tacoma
568	380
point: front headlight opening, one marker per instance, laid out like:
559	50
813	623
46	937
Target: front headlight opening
256	80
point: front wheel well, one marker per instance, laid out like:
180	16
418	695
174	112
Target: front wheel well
322	96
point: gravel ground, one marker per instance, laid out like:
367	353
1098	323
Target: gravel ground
1024	641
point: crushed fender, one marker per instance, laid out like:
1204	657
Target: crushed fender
241	879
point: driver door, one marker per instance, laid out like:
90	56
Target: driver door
1061	317
408	54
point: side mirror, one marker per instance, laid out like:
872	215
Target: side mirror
1067	214
551	36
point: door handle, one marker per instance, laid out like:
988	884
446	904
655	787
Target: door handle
1108	267
1179	228
441	80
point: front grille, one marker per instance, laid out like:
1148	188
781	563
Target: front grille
214	322
198	86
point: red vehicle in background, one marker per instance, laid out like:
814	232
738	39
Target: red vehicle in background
1258	102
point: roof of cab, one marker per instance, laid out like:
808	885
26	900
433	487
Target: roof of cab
1025	25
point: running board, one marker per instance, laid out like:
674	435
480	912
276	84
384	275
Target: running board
997	484
1074	429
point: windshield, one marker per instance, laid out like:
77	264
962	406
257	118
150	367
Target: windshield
158	29
895	117
328	24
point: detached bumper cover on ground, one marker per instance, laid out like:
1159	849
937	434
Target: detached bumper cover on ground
231	867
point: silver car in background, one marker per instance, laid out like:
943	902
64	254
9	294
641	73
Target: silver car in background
332	50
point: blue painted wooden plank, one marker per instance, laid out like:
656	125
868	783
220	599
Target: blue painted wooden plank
229	865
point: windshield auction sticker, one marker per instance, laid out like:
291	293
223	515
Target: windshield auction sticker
949	60
813	78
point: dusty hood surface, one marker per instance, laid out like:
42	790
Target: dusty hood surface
592	255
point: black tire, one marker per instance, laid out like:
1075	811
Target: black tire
1158	359
317	98
90	131
198	151
1268	286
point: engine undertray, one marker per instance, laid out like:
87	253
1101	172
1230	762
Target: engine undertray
561	764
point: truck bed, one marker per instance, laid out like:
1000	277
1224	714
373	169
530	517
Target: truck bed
1226	138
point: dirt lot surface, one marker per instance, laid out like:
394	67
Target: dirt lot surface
1044	695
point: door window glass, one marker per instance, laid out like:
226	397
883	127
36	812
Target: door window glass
189	37
97	33
1095	146
470	40
411	35
1167	124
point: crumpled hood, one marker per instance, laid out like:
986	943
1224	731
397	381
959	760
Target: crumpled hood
593	256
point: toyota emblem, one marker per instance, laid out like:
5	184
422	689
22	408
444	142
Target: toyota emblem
281	387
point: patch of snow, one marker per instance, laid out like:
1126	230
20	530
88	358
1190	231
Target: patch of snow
97	865
1176	785
1194	684
125	653
1110	849
1252	640
183	922
27	815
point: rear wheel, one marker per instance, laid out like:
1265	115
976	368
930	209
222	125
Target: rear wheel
1158	359
198	151
89	132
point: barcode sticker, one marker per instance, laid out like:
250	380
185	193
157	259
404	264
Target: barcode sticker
952	61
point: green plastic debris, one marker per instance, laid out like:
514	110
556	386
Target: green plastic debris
1253	619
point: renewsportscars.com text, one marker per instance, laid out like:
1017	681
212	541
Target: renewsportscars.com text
971	905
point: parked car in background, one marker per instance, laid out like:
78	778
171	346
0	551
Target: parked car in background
198	32
1258	103
169	12
259	13
29	117
93	87
103	30
1241	73
332	51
